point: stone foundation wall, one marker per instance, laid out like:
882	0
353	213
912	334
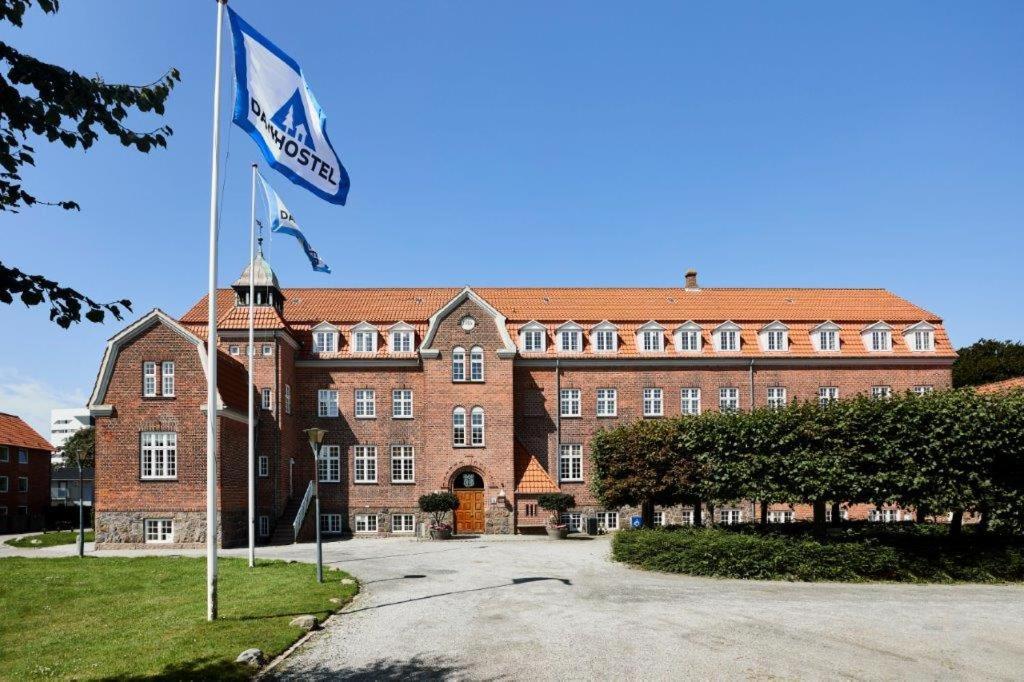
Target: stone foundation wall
126	530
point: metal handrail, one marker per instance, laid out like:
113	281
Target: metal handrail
303	508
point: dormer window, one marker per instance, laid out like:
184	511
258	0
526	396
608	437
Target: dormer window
401	340
364	338
775	337
825	337
727	337
878	337
688	337
532	337
570	338
920	337
604	337
650	338
325	338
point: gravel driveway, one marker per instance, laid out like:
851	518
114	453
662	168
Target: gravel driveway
534	609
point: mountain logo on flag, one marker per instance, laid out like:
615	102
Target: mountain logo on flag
291	118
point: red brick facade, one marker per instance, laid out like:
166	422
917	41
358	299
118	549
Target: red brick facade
518	393
24	476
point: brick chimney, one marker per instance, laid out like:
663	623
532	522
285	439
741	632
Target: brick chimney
691	280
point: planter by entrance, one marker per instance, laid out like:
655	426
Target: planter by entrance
440	534
558	533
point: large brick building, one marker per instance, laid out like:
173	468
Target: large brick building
24	476
491	392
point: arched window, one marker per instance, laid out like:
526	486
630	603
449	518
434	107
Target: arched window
476	423
459	426
476	364
458	364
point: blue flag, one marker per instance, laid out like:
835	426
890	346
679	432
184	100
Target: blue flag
273	103
281	220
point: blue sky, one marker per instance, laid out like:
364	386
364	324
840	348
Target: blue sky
571	143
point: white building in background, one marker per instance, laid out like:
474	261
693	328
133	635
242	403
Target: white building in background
64	423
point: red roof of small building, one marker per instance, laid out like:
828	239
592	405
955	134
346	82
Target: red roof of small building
16	433
1000	386
531	477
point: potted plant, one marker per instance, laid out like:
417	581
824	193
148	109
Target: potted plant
556	503
438	505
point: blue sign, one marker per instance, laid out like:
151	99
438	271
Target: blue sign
636	521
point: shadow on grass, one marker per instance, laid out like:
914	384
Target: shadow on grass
416	669
200	669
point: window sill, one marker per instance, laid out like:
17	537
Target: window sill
403	482
159	397
158	480
402	418
363	482
571	416
654	416
367	418
570	480
469	447
607	416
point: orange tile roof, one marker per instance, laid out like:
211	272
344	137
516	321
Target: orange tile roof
531	477
231	317
232	380
16	433
1000	386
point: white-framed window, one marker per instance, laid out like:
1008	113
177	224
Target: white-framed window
364	341
22	484
730	516
923	340
403	523
366	523
331	524
881	391
401	341
159	531
366	403
659	519
148	379
401	403
775	340
327	402
263	466
458	364
159	454
476	364
607	402
267	349
167	375
605	341
608	520
776	397
364	463
328	464
476	426
459	426
287	398
325	341
264	526
689	400
784	516
884	515
233	349
844	514
728	399
654	406
533	340
570	340
826	394
570	462
687	517
569	402
267	399
652	340
573	520
403	469
22	456
5	484
923	390
727	337
881	340
688	340
828	340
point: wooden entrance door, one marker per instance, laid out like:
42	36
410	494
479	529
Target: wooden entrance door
469	517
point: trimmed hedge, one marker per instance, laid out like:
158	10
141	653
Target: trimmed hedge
857	554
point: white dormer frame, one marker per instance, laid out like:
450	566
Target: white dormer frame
716	336
533	326
657	329
776	326
925	328
688	327
604	326
364	327
326	327
569	326
867	334
826	326
402	328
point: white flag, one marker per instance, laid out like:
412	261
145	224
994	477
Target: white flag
275	106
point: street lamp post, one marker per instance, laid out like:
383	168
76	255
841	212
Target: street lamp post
81	512
316	438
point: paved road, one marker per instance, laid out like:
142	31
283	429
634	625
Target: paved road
524	608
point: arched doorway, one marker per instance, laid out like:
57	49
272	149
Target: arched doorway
468	486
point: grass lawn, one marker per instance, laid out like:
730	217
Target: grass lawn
130	618
60	537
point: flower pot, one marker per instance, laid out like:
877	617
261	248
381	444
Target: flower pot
558	533
440	534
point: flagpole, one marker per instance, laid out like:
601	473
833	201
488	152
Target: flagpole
211	364
252	355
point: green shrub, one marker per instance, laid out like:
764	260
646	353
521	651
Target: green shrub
438	505
854	554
